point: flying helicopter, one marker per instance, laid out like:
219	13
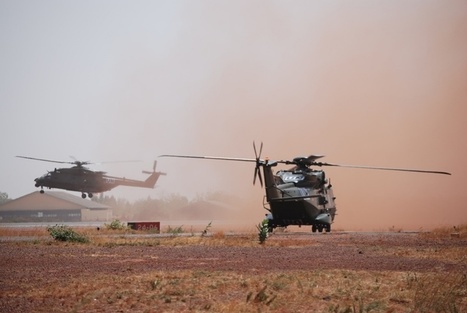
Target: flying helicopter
81	179
299	195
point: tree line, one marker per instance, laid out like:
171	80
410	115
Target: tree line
164	208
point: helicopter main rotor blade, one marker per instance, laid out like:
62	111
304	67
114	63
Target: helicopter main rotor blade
258	163
207	157
258	156
44	160
382	168
122	161
257	173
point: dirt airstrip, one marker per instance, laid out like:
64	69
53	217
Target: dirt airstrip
38	264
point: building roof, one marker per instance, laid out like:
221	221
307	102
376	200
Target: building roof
51	200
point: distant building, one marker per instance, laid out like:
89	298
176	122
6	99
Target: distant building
53	206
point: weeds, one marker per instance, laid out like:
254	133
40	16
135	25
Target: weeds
65	233
116	225
261	297
205	231
438	293
175	231
454	232
263	231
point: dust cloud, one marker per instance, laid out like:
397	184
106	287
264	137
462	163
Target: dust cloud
374	83
366	86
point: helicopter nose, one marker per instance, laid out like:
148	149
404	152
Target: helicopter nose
38	182
324	218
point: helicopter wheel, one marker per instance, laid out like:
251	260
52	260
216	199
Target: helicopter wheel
41	191
83	195
90	195
271	226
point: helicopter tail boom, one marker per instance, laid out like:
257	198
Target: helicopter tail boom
150	182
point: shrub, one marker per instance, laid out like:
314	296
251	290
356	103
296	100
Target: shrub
175	231
116	225
65	233
262	231
205	231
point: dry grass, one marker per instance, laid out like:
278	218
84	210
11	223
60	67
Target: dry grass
27	232
217	239
311	290
459	231
296	291
109	237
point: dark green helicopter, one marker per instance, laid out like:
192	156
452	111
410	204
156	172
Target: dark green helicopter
81	179
299	195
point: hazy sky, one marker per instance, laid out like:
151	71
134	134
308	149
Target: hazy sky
380	83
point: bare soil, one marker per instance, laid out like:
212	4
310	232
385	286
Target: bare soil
36	264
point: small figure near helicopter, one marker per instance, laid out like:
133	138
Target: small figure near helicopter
299	195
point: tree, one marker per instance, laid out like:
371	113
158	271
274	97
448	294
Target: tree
3	197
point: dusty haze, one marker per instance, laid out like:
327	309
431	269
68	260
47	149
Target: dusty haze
366	83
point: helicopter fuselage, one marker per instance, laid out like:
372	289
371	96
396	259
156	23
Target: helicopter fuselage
76	180
89	182
299	197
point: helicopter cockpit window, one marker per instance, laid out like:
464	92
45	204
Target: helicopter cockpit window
45	176
288	177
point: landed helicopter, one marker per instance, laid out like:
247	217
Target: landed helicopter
81	179
299	195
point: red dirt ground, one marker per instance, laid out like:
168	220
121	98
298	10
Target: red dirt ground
41	264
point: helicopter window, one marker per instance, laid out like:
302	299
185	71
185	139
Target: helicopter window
291	177
278	180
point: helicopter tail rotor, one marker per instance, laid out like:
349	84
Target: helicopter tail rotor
258	164
153	169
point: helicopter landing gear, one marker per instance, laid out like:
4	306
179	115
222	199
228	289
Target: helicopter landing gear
83	195
320	227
